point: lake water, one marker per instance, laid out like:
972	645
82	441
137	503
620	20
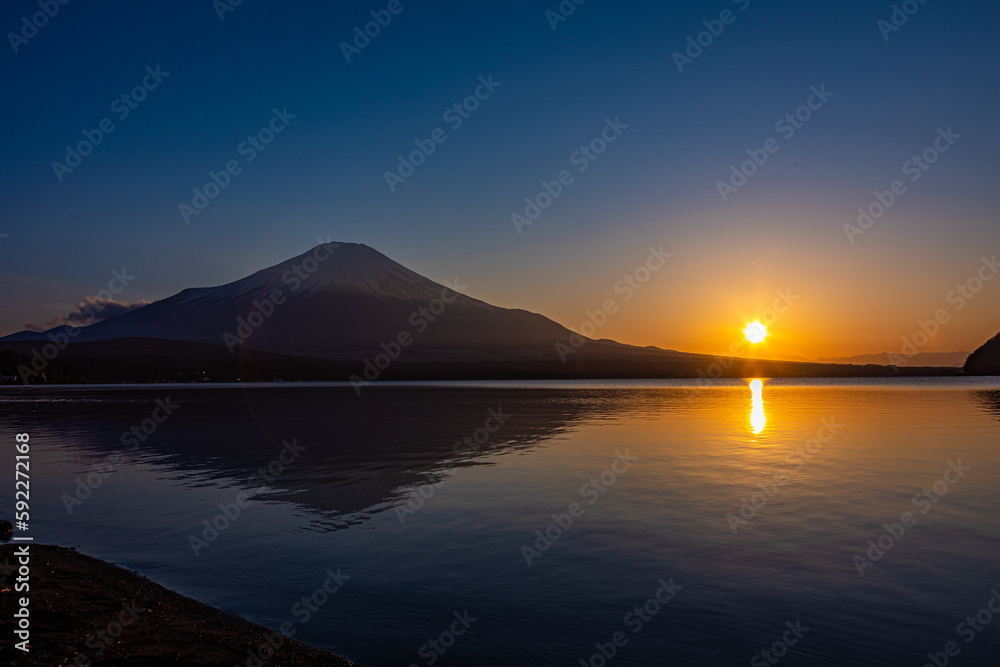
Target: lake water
648	472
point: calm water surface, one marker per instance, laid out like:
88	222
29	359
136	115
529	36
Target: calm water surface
756	506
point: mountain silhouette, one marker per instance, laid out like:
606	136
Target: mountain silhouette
338	300
986	359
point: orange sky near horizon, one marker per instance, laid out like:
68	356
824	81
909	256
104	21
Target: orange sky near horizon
841	299
812	319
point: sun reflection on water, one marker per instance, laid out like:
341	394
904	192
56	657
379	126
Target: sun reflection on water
757	417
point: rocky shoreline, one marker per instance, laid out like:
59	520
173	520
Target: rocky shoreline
86	611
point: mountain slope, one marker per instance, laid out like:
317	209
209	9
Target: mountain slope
338	300
986	359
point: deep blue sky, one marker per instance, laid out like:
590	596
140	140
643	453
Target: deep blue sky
323	175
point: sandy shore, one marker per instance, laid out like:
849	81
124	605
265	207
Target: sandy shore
86	611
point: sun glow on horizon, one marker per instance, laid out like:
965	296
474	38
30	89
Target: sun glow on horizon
755	332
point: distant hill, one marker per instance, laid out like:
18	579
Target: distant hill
949	359
159	360
985	360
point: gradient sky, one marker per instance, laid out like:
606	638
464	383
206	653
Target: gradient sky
323	176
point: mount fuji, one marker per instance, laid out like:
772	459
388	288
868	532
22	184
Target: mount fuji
338	300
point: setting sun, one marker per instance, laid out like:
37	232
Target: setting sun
755	332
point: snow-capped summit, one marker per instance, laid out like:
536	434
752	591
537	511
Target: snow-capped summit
336	300
346	268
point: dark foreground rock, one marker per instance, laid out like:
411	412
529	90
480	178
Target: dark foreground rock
75	598
985	360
